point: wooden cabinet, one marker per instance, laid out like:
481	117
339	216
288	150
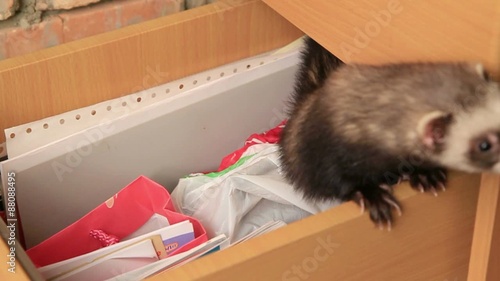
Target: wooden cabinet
452	237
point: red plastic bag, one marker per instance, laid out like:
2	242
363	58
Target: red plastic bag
120	216
271	136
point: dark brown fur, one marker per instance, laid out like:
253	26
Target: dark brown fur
353	129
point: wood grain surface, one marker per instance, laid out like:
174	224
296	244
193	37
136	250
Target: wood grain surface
381	31
485	253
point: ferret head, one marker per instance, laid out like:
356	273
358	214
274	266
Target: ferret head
467	138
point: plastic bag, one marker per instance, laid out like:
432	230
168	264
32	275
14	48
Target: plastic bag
244	196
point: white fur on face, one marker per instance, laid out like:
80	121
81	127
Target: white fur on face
469	125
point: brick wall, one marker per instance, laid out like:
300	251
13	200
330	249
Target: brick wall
30	25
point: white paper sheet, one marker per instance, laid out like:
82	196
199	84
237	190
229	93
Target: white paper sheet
171	262
114	255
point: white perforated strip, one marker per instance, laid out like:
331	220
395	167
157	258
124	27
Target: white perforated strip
24	138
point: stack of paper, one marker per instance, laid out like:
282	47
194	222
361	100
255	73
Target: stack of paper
122	257
215	244
268	227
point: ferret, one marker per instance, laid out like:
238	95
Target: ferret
354	131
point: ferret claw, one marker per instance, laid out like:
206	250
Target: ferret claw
380	225
381	205
424	181
402	178
386	187
394	205
443	174
359	198
434	191
429	180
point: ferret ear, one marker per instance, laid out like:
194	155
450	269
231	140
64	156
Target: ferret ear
432	128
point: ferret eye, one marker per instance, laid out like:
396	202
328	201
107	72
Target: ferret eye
484	146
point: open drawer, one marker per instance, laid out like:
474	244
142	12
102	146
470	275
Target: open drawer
436	239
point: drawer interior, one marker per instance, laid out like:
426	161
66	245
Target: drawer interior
189	132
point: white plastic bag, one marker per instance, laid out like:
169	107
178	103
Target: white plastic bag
243	197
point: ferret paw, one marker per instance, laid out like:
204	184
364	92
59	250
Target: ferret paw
429	181
380	206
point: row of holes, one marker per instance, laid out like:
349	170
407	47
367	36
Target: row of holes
139	99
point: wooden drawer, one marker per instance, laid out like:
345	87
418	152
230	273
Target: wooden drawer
451	237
